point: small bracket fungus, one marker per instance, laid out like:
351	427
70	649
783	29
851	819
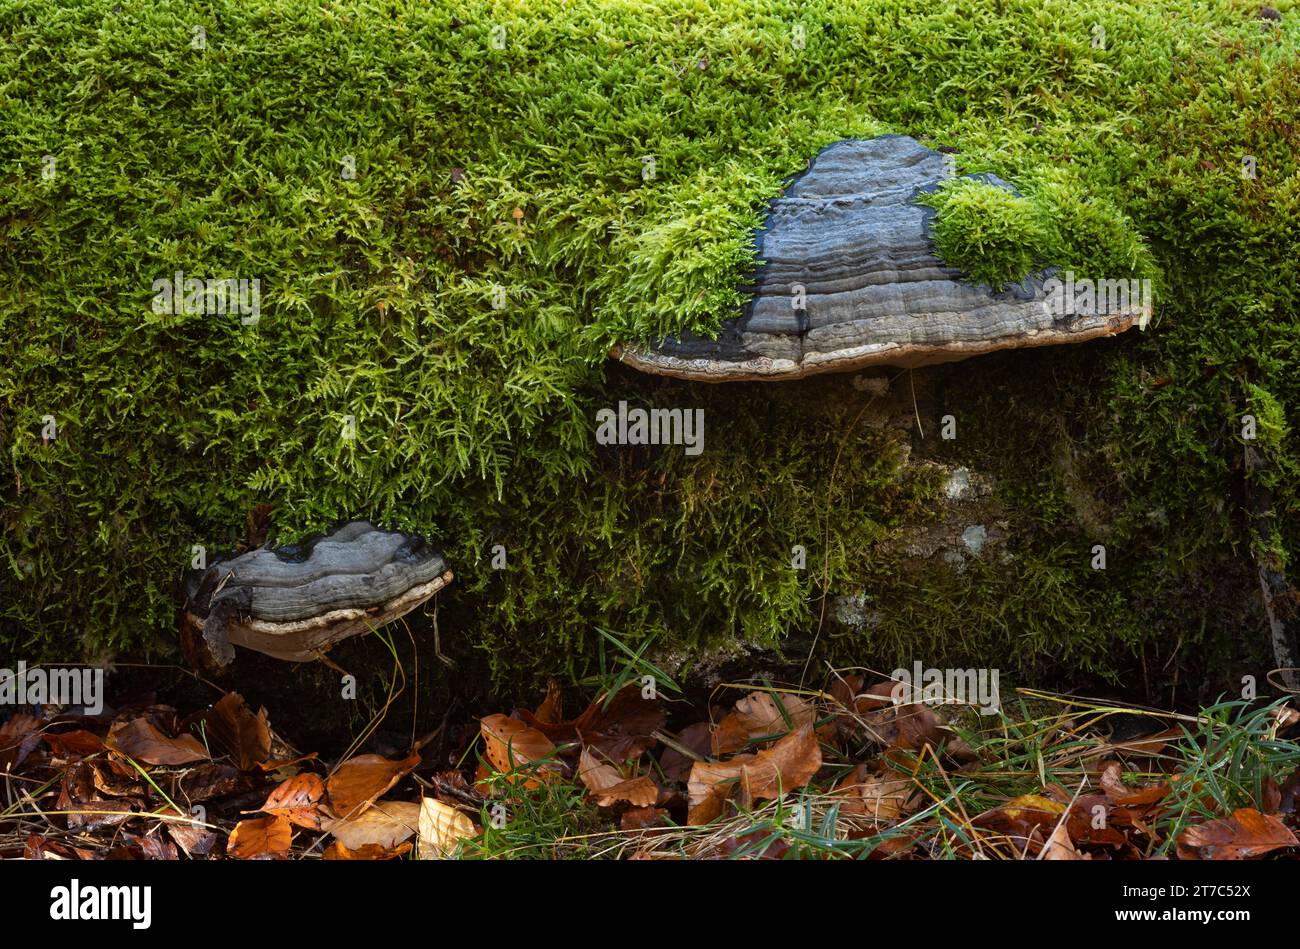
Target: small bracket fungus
295	602
850	278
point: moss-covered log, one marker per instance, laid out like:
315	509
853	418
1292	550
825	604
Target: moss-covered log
366	261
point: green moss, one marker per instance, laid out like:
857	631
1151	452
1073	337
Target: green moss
475	423
998	236
991	234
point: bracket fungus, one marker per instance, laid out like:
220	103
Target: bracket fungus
850	278
295	602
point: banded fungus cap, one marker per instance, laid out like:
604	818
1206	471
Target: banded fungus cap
295	602
849	236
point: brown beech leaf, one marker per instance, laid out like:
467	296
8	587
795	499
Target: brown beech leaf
551	710
877	795
18	736
697	738
86	810
1112	782
384	824
360	780
83	805
151	846
257	836
1059	846
1083	820
298	800
905	726
279	764
1270	797
843	690
609	787
73	744
336	851
114	778
141	740
207	781
1149	746
764	714
241	734
441	829
877	696
728	736
1247	833
760	716
756	845
510	745
1023	820
619	728
190	836
643	818
786	766
625	728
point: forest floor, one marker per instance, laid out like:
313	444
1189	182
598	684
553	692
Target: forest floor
858	767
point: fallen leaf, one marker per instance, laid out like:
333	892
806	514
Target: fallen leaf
18	736
1085	817
77	744
114	778
1149	746
336	851
298	800
194	839
385	824
278	764
756	845
551	710
760	716
1247	833
1112	782
619	728
728	736
697	738
207	781
1023	821
360	780
258	836
609	787
874	795
241	734
511	746
905	726
441	829
765	714
1270	797
643	818
152	846
1059	847
786	766
1290	791
141	740
85	808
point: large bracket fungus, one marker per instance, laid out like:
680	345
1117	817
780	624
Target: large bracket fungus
295	602
850	278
